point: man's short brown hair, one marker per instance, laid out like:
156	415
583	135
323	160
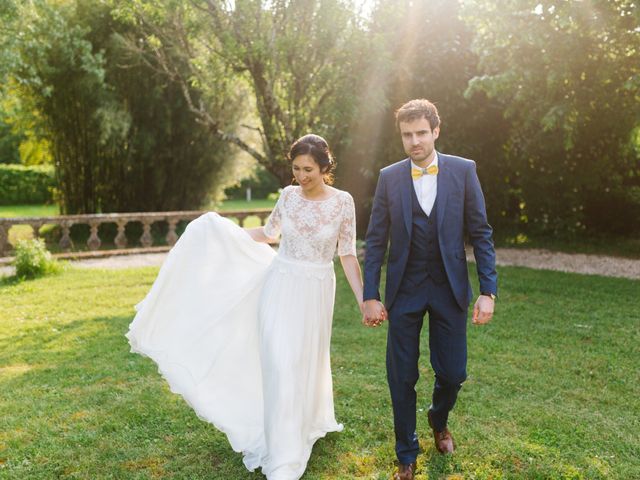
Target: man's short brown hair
416	109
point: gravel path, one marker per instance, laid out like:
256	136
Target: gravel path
569	262
532	258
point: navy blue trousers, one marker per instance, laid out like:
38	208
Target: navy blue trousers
448	355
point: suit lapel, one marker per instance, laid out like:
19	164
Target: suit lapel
444	184
406	190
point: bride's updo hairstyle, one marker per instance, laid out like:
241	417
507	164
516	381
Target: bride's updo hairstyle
318	148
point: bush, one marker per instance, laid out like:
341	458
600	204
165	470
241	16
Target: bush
261	181
34	260
26	185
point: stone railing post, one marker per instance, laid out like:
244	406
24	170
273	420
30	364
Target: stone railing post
241	218
94	240
4	240
121	238
36	228
172	236
66	243
146	240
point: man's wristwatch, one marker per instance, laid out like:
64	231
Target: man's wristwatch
493	297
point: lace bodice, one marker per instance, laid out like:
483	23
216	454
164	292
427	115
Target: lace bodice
311	229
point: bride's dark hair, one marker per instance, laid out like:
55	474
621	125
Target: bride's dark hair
318	148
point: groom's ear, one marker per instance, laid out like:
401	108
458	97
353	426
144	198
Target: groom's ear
436	133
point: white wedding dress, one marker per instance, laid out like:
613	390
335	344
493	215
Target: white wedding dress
243	333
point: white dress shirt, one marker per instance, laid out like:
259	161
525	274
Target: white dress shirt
426	188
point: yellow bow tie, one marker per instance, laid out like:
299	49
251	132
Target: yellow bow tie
418	172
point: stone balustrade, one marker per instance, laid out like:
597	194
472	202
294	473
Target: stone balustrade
121	220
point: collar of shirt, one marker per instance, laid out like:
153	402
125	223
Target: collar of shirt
434	162
426	188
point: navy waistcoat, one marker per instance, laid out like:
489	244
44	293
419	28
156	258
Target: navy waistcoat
425	258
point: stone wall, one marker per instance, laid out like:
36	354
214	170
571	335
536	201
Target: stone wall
121	220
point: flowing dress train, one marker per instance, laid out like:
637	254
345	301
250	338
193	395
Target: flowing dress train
243	334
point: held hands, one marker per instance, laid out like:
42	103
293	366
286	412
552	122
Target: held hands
483	310
373	313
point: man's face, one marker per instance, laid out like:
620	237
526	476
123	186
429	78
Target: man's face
419	140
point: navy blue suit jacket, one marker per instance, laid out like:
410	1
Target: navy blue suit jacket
461	208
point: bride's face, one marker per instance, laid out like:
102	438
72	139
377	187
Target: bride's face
307	172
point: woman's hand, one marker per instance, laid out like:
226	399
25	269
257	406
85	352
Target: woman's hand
373	313
258	235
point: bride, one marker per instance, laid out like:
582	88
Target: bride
243	333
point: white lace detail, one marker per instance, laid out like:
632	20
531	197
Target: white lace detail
311	229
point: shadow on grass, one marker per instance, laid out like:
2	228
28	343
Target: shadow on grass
14	279
77	394
9	280
94	407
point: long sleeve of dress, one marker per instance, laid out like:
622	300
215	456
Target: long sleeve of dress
347	233
274	222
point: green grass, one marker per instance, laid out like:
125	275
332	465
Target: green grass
11	211
553	389
250	222
242	205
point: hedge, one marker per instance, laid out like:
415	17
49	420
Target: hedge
26	185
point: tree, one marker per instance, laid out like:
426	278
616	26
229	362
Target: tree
9	140
568	75
300	60
22	139
121	135
422	49
8	20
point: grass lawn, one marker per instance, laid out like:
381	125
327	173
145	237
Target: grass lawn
249	222
11	211
242	205
553	389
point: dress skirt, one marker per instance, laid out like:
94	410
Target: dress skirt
243	335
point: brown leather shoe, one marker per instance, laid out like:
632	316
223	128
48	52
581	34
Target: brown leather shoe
444	439
405	472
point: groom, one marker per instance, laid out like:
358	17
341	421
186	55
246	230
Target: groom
424	205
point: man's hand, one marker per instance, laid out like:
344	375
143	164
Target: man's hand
483	310
374	313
